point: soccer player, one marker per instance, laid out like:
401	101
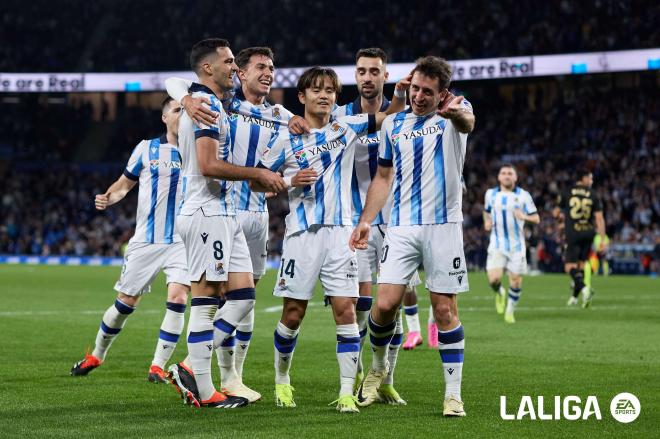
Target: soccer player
580	207
318	227
424	153
252	124
370	76
507	208
218	257
156	165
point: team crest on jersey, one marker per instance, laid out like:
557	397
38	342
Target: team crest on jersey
395	138
276	113
153	164
337	128
233	116
300	155
219	268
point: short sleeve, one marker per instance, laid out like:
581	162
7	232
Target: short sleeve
385	157
488	206
360	124
274	155
212	131
598	205
135	165
529	208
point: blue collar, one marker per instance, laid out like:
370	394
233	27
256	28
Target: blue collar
357	105
200	87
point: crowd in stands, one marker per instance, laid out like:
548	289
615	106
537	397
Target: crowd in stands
546	127
150	35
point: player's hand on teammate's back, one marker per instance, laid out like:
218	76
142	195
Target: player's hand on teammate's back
101	201
360	236
199	110
298	125
304	177
271	181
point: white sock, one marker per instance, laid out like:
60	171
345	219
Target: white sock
412	318
380	337
111	324
285	343
393	351
451	345
512	299
200	343
348	347
362	311
238	305
243	337
170	330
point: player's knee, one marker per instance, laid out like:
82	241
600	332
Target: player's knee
515	281
292	317
177	293
345	315
444	314
386	306
129	300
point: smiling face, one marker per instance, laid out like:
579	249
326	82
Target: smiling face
425	94
222	68
370	75
257	75
507	177
319	99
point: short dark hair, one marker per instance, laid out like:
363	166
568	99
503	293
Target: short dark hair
583	172
204	48
434	67
509	165
371	52
243	57
165	103
314	76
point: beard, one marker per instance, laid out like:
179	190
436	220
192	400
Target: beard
369	94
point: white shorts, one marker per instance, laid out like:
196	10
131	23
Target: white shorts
322	253
515	263
369	259
215	246
143	261
439	247
255	229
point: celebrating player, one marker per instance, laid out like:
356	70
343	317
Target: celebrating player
424	153
370	75
218	256
253	122
318	227
155	246
506	210
579	206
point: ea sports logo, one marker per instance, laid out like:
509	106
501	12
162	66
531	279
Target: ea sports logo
625	407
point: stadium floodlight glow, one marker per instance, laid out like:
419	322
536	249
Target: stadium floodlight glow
464	70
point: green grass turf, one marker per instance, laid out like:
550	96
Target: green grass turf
49	316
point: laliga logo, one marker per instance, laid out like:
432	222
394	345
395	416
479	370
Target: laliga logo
625	408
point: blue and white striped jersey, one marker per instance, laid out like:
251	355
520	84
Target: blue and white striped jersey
330	151
428	154
156	166
366	163
214	196
252	127
508	234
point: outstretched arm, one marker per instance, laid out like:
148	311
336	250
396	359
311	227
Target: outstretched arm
115	193
453	108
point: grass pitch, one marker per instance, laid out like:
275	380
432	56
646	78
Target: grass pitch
50	315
